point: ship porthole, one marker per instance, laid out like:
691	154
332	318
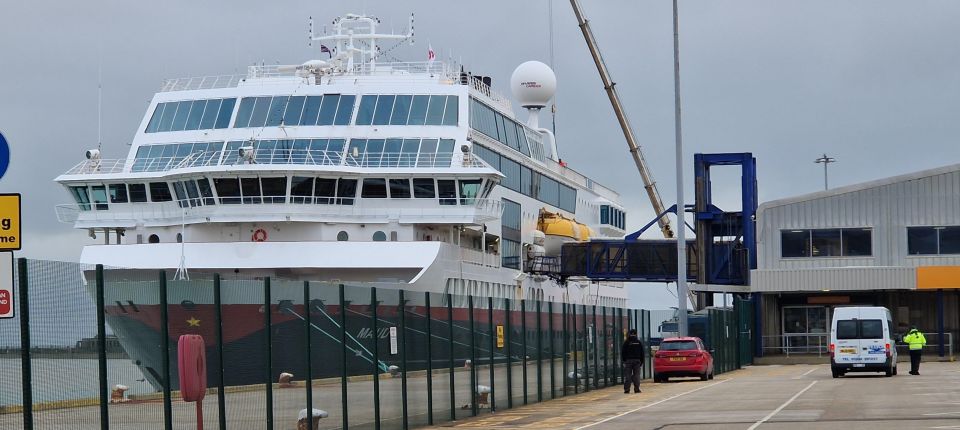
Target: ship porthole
379	236
343	236
153	239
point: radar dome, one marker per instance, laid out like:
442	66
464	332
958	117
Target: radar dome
533	84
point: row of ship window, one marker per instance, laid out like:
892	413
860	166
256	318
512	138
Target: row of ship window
327	109
610	215
500	128
858	242
528	182
302	190
191	115
393	152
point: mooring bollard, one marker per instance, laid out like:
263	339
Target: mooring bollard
306	423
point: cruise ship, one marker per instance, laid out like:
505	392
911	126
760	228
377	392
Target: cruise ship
344	170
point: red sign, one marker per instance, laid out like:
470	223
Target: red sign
6	304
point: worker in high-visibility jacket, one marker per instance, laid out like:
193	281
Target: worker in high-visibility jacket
916	341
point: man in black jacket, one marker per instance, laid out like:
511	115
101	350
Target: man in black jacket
632	355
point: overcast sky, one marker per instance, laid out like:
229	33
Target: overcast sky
875	84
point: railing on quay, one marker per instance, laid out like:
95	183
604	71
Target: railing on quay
330	346
819	344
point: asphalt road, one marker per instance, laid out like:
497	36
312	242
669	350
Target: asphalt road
762	397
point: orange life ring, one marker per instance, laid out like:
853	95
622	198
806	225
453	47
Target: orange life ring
259	235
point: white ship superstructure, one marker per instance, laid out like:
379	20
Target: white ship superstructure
346	169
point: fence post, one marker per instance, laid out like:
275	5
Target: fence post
26	371
165	345
576	352
586	352
268	335
426	296
565	337
473	359
492	332
343	358
102	351
376	359
539	352
218	314
596	350
553	352
523	328
453	395
403	359
307	347
509	353
606	349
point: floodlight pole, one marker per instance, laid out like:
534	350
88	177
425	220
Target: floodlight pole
682	293
825	160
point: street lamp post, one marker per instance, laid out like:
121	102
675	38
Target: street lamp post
825	160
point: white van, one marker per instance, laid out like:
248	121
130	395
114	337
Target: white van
861	341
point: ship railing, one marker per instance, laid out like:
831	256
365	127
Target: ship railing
201	83
198	210
280	156
479	258
95	167
68	213
494	96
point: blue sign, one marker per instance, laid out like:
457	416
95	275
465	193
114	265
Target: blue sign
4	155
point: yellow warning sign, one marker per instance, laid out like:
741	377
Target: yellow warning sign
499	336
10	222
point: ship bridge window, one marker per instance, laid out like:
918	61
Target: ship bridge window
469	190
423	188
346	191
374	188
160	192
250	188
274	189
81	195
301	189
203	185
328	109
118	193
228	189
191	115
326	191
400	188
408	110
138	193
447	191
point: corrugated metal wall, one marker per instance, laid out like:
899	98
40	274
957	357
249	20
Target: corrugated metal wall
834	279
887	208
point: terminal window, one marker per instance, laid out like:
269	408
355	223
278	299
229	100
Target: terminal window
836	242
933	240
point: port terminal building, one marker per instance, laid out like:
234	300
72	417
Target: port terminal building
892	242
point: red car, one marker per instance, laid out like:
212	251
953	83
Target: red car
682	356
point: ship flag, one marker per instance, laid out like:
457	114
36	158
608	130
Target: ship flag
323	48
430	54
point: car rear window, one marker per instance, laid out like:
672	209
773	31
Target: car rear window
678	345
871	329
847	329
860	329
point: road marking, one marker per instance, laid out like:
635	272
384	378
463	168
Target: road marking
805	374
775	411
946	427
652	404
937	414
